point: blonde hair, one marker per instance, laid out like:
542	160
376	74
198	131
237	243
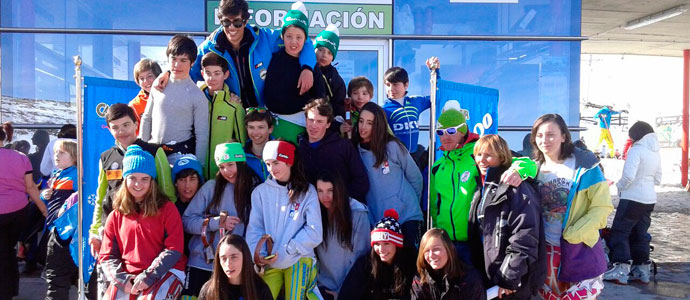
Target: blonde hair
146	64
68	146
495	145
153	200
453	267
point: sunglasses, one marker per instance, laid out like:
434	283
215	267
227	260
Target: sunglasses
237	23
259	110
450	130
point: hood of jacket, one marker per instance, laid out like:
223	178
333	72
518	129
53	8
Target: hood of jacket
585	159
649	141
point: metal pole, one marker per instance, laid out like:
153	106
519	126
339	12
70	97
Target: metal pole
686	95
80	167
432	143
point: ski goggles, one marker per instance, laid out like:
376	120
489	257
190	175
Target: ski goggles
449	130
259	110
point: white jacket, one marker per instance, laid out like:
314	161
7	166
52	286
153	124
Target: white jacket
296	228
642	170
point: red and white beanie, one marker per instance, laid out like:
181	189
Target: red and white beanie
388	229
280	151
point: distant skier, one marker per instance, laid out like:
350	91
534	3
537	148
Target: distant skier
604	116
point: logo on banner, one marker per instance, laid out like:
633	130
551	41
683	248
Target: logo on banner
102	109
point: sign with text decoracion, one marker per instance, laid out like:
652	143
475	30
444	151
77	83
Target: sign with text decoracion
367	17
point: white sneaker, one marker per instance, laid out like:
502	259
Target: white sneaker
640	273
618	273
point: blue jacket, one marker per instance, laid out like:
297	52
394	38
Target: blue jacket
404	119
255	163
266	42
604	116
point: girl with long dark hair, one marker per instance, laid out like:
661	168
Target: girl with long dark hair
143	241
575	204
221	206
233	275
285	210
345	224
394	179
387	272
441	274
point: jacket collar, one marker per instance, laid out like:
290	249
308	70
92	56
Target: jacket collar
493	184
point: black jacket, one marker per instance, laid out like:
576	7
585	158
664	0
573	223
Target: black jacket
359	283
335	89
512	254
339	156
437	287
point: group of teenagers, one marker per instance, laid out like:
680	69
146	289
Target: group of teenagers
271	179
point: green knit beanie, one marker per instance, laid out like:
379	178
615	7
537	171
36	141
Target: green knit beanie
452	116
297	16
228	152
329	38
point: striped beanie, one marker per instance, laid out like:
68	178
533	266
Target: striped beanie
388	229
280	151
137	160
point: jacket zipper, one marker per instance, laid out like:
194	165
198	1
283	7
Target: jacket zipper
452	202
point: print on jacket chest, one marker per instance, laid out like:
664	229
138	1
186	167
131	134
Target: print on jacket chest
294	211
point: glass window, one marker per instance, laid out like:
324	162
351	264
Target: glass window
525	17
533	78
115	14
40	67
353	63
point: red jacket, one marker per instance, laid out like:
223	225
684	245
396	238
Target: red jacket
133	244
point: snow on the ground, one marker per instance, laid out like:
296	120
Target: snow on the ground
671	214
30	111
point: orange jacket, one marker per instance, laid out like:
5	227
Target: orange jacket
139	105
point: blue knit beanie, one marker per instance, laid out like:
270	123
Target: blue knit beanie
137	160
185	162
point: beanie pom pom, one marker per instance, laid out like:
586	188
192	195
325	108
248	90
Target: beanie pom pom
391	213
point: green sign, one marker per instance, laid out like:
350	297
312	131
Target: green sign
359	19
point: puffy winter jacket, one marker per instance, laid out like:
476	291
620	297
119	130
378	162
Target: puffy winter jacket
467	287
265	43
508	244
454	182
642	170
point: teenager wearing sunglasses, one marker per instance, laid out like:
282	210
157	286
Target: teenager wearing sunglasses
248	50
455	179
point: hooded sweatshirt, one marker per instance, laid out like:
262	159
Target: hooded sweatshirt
295	227
642	170
194	216
335	259
337	155
396	184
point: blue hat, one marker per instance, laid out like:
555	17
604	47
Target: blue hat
137	160
185	162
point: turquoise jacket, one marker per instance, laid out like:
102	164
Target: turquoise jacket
266	42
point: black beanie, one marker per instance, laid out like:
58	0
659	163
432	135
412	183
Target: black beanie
639	130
